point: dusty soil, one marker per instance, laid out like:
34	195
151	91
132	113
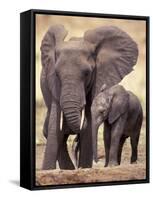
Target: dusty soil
119	173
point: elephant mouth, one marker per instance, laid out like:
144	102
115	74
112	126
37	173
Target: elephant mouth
77	129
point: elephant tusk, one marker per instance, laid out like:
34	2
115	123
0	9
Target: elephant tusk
61	121
82	118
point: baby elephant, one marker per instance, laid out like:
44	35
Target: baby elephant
121	112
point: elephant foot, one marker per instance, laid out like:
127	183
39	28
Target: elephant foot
106	165
85	166
79	168
65	168
112	164
48	167
133	159
66	164
134	162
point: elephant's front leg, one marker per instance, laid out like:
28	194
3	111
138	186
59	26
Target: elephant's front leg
116	134
107	141
51	150
86	152
64	159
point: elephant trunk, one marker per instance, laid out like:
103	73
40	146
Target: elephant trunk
74	115
94	140
72	101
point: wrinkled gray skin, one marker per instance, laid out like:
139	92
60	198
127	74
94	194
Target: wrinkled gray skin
121	112
72	74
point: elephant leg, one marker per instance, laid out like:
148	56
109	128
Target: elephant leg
122	141
64	159
51	150
116	134
134	139
107	140
86	152
134	146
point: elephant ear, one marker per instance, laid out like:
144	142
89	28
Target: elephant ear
119	103
53	37
115	55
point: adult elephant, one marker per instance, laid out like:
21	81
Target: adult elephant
72	74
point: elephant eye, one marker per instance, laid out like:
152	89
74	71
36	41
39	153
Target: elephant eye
57	75
57	53
86	72
102	110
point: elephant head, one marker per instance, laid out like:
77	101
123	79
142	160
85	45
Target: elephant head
108	105
79	67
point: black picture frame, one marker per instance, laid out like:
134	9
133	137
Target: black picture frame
27	98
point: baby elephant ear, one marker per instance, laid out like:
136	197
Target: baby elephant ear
115	55
119	105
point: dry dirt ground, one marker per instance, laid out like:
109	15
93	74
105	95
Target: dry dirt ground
120	173
98	173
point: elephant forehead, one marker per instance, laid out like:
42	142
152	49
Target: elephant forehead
100	100
77	46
